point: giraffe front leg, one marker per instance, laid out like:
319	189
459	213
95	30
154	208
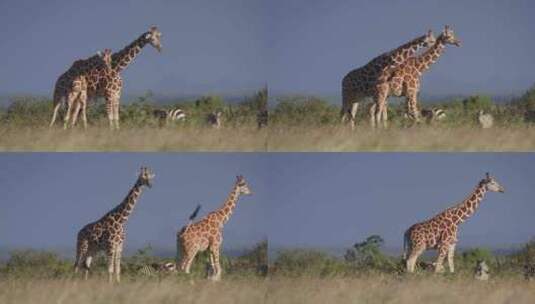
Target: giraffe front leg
451	252
70	101
75	114
83	101
116	113
442	253
214	250
353	113
117	264
412	107
109	110
111	264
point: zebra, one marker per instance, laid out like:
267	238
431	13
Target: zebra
157	269
529	272
215	119
165	117
481	271
433	115
485	120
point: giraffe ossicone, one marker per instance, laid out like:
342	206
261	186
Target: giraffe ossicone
440	232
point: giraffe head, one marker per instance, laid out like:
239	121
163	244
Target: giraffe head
429	39
153	37
145	177
448	36
243	188
491	184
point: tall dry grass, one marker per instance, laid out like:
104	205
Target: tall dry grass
371	289
419	138
133	139
132	292
378	289
274	138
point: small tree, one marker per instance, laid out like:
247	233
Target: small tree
367	254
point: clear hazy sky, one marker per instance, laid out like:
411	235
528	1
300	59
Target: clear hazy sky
314	43
47	198
300	199
336	199
208	46
298	46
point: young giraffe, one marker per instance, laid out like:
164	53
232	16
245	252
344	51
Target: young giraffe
405	80
208	232
81	102
108	233
440	232
71	86
369	80
107	83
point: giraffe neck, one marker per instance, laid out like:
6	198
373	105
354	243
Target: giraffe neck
402	53
125	208
122	58
468	207
424	61
228	207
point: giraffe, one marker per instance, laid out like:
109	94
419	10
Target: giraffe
369	80
81	102
208	232
108	83
405	80
108	233
440	232
71	86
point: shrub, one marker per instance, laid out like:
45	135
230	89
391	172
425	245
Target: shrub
303	262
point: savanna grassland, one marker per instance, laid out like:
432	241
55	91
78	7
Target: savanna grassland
295	123
363	275
310	124
24	126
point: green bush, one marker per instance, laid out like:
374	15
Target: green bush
37	264
309	111
303	262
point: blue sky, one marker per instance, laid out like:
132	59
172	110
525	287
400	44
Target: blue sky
298	46
47	198
332	200
323	200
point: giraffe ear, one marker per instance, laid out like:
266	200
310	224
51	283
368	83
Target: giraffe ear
429	32
487	175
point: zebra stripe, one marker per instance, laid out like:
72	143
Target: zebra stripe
156	269
176	115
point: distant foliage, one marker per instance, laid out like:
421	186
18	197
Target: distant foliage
310	111
38	264
367	255
303	262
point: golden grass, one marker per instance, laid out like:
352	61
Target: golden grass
403	290
133	139
374	289
275	138
420	138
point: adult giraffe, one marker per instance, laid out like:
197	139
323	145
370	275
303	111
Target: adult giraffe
107	83
440	232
